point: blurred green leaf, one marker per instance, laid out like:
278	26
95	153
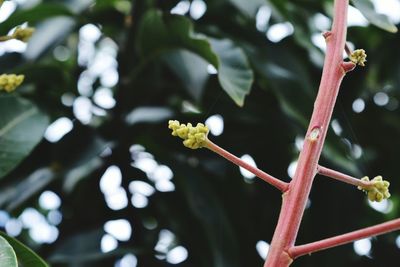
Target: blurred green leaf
336	156
47	35
77	6
34	15
248	7
7	254
21	128
82	243
148	115
158	34
85	163
367	9
16	194
25	256
208	210
90	256
84	247
190	69
234	72
284	74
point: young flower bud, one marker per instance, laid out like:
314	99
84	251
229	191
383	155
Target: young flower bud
193	137
377	190
23	34
358	57
9	82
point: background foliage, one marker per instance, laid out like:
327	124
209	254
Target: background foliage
108	74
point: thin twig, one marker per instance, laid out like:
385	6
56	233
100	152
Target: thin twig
378	229
343	177
282	186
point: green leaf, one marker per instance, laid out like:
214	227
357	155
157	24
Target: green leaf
34	15
7	254
234	73
48	34
25	255
190	69
84	247
18	193
21	128
380	20
248	7
210	213
158	34
283	73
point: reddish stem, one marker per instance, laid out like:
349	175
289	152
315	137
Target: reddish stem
343	177
379	229
282	186
295	199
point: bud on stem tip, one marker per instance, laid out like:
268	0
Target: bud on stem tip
193	137
9	82
377	189
358	57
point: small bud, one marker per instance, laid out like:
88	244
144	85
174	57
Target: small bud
358	57
327	34
314	134
9	82
23	34
193	137
377	189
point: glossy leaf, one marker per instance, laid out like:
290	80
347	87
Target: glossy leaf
158	34
21	128
234	73
25	255
7	254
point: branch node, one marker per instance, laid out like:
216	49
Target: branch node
314	134
348	66
327	35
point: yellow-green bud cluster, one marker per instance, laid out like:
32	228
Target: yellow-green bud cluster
358	57
23	34
193	137
8	82
377	189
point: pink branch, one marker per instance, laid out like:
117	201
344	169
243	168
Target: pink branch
295	199
342	177
282	186
379	229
